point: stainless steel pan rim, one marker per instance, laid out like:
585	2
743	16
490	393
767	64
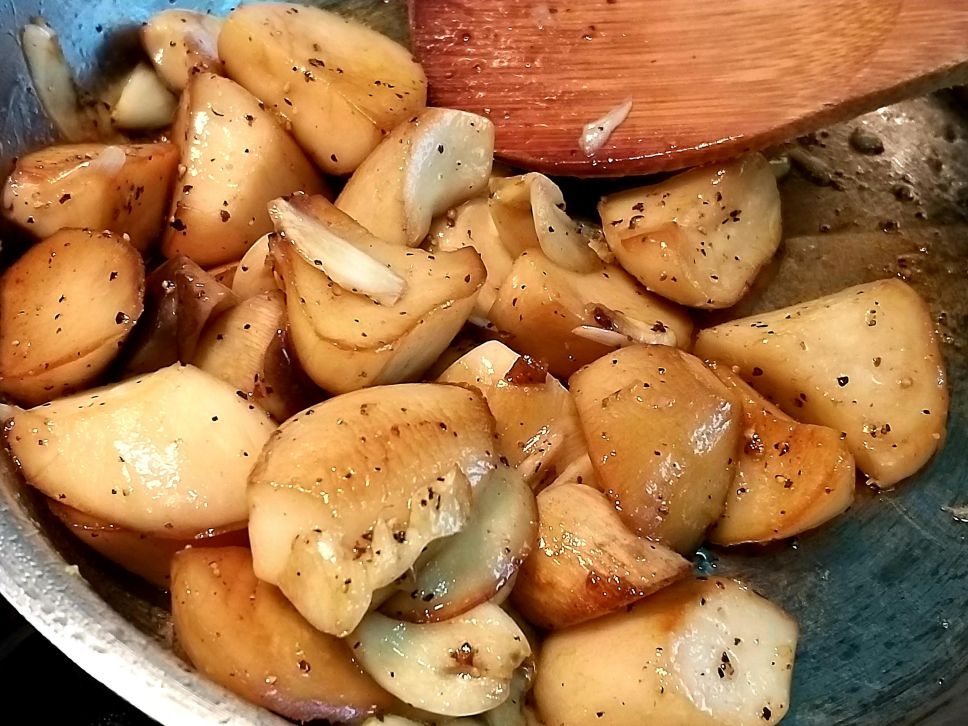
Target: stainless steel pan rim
56	600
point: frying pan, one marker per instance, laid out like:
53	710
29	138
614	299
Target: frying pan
881	593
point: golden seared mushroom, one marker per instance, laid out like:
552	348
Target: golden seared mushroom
426	166
145	102
529	211
146	555
662	434
790	477
253	275
700	653
332	524
537	422
180	299
340	85
475	564
701	237
244	635
459	667
224	274
66	306
181	43
471	225
246	347
236	159
124	189
865	361
363	312
168	453
587	563
580	316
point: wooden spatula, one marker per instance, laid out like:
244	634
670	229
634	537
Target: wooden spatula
707	79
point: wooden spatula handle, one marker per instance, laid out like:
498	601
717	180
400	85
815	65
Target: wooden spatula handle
708	79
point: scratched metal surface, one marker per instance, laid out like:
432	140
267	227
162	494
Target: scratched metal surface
881	594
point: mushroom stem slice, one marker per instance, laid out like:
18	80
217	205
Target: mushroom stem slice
529	211
702	652
341	584
459	667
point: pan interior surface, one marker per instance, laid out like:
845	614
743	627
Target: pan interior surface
879	593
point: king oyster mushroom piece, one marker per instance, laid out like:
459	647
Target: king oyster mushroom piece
180	300
182	43
148	556
865	361
662	433
580	316
332	525
246	346
790	477
236	159
471	225
537	422
339	85
699	653
122	188
700	237
587	563
427	165
167	453
244	635
364	312
529	211
254	274
66	306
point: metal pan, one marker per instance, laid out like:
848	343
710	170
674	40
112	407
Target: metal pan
880	593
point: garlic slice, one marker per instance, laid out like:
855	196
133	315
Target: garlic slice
459	667
330	248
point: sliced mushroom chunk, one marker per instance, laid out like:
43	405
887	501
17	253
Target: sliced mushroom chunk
865	361
168	453
459	667
180	300
146	555
333	524
427	165
66	306
246	347
701	237
182	43
471	225
529	211
236	159
363	312
703	653
662	434
564	306
537	422
339	84
244	635
471	567
587	563
790	477
254	275
124	189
